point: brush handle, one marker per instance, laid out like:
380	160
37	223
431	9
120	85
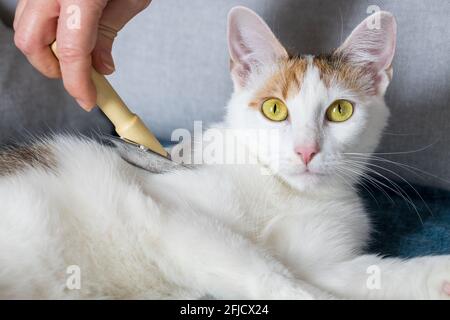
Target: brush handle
127	125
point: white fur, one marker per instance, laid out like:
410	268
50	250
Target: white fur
221	230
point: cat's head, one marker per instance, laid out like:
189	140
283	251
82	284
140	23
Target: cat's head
322	107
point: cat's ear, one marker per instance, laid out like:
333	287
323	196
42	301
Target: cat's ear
372	45
251	43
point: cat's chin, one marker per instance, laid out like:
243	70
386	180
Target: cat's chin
304	181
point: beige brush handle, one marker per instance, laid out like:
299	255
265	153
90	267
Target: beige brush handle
128	125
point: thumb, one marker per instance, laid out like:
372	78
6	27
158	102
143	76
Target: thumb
115	16
102	59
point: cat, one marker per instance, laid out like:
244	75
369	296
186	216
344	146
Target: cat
77	221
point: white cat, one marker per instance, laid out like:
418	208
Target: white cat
77	221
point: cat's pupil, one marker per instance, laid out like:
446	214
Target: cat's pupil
275	108
339	108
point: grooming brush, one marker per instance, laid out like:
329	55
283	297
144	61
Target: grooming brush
137	145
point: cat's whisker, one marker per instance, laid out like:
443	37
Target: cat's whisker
374	182
362	179
363	167
354	180
400	134
399	152
342	176
371	180
404	180
404	166
398	190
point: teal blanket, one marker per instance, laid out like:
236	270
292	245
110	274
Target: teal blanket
401	231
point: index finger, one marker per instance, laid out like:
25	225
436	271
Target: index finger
76	38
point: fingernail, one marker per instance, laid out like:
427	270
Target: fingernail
108	62
85	105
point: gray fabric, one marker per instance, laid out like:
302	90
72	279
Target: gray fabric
172	65
33	105
7	8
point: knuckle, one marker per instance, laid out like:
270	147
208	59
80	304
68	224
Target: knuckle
15	24
53	75
70	54
25	43
72	89
51	71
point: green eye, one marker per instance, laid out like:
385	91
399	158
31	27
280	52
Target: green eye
340	111
275	110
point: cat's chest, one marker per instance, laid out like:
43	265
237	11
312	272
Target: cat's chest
281	221
260	213
252	205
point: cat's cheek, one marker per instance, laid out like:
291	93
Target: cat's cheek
349	133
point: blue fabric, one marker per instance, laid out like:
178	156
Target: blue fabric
400	232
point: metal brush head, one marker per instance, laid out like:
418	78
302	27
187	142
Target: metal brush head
142	157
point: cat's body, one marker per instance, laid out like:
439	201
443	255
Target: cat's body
118	222
227	231
221	231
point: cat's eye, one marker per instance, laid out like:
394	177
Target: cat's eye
275	110
340	111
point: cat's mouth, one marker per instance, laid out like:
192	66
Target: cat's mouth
302	178
306	172
298	171
309	173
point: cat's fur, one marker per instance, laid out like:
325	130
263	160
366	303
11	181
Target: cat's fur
227	231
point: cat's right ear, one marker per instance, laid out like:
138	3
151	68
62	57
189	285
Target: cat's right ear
251	43
372	45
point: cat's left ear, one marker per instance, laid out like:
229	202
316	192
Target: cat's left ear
372	45
251	43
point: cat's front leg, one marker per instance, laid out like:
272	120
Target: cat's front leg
203	254
372	277
438	282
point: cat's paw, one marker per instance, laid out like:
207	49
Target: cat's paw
280	287
293	293
303	291
438	283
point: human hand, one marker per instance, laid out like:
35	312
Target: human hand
85	32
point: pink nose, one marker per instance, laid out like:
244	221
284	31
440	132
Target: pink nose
307	153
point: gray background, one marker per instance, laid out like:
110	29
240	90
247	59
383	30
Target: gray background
172	67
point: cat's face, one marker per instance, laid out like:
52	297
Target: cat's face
322	108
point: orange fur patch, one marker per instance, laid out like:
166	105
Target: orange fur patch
334	69
285	82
